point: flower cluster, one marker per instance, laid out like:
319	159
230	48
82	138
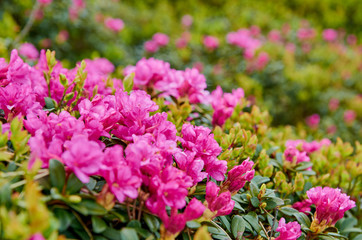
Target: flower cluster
330	205
147	157
298	151
158	40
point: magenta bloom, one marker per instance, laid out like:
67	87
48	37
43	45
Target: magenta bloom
16	71
349	116
262	61
187	20
37	236
83	157
303	206
313	121
151	46
211	42
29	51
224	104
330	205
289	231
114	24
330	35
306	34
244	39
274	36
238	176
161	39
333	104
45	2
218	203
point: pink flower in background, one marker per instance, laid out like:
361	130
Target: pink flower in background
183	40
306	34
262	61
29	51
352	39
151	46
330	35
75	7
199	66
313	121
114	24
45	2
161	39
211	42
244	39
37	236
255	31
274	36
303	206
290	47
349	116
289	231
330	205
62	36
187	20
333	104
332	129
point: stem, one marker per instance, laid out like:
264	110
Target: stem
266	233
83	225
275	220
20	183
28	25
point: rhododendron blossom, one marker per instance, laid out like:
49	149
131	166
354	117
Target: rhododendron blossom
114	24
330	205
289	231
29	51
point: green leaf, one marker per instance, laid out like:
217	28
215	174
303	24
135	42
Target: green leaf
93	207
302	219
73	184
303	165
56	174
259	180
98	224
64	217
255	202
128	233
49	103
134	224
288	211
257	152
252	218
152	222
112	234
237	226
91	184
128	82
193	224
225	222
254	189
271	150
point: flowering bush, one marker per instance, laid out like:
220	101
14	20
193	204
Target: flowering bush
88	154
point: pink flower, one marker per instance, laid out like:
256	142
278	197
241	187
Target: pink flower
123	180
151	46
238	176
313	121
352	39
224	104
62	36
289	231
200	140
333	104
262	61
330	35
306	34
187	20
83	157
193	167
74	9
219	203
16	100
290	47
331	129
29	51
45	2
330	205
211	42
160	39
37	236
274	36
244	39
349	116
114	24
16	71
303	206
